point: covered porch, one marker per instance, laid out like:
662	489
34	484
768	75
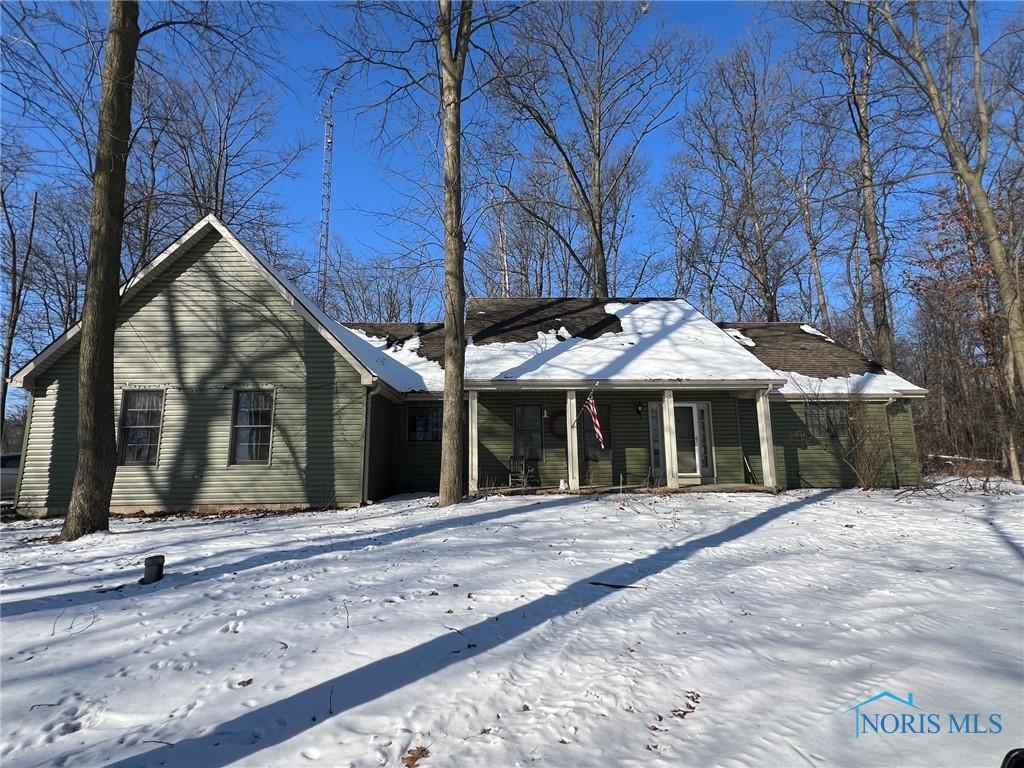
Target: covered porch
669	438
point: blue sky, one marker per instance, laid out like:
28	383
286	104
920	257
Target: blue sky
362	181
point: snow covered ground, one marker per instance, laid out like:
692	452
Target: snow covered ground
752	624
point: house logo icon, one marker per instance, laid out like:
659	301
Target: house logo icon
886	714
907	702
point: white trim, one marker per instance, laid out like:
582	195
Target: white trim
668	431
764	434
572	444
631	384
916	394
698	407
474	444
301	304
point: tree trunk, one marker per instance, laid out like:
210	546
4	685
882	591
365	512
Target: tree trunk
89	509
883	344
452	65
815	259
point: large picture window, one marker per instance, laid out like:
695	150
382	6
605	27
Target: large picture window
141	414
252	425
528	431
424	424
827	420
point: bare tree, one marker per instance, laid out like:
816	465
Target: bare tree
89	508
936	48
33	69
18	258
413	60
736	165
575	78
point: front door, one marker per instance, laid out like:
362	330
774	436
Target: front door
687	444
694	452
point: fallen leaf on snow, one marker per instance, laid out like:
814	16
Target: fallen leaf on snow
414	755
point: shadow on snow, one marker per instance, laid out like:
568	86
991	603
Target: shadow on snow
284	719
329	545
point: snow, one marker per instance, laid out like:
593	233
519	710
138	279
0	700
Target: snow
742	338
870	384
399	364
349	638
815	332
665	340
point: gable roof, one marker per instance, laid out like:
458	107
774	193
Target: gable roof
340	338
561	342
815	365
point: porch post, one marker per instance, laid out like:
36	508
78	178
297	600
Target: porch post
572	446
474	444
668	429
764	432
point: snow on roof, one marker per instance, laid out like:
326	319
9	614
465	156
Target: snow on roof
882	384
815	365
638	340
737	334
397	362
815	332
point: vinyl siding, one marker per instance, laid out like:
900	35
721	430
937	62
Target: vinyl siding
494	415
381	448
418	464
628	438
630	461
210	324
803	462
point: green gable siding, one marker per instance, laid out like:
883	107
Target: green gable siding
209	324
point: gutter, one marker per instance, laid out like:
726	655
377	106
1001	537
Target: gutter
632	384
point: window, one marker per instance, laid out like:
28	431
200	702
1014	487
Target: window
10	462
425	424
253	422
591	449
141	411
528	432
827	420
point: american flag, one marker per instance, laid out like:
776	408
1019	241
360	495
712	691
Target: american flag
591	408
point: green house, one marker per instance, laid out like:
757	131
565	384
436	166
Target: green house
233	391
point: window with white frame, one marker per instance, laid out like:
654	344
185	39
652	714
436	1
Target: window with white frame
252	425
141	417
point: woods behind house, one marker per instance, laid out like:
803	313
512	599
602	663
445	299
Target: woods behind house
856	166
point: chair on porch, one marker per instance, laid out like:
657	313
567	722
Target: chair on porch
518	472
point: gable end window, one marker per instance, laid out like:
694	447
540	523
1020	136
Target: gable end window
141	417
251	426
528	432
827	420
424	424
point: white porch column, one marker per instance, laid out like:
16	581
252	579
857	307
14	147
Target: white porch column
474	444
668	429
764	432
572	446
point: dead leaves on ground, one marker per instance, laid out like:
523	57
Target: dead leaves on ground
414	755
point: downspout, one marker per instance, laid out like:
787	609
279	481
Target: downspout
367	411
